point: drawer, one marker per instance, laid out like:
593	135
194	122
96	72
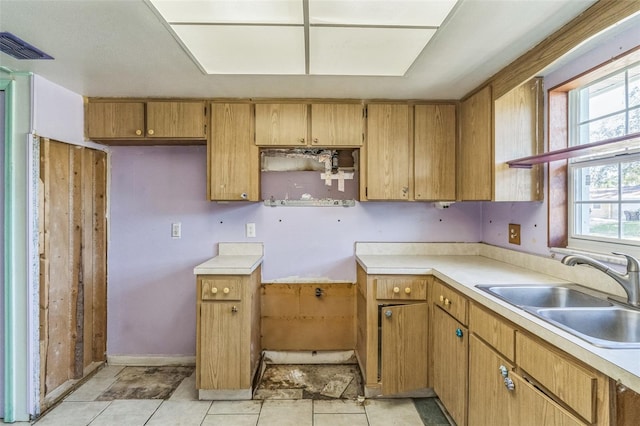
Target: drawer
401	288
493	330
451	301
571	383
220	289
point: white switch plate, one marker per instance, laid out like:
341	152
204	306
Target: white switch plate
251	230
176	230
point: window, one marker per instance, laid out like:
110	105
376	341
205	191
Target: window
604	191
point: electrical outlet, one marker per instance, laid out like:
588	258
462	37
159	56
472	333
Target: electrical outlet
176	230
514	233
251	230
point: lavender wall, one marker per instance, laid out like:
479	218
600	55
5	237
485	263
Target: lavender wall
151	292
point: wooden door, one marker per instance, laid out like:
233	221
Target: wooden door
434	171
176	120
72	245
113	120
220	343
490	402
404	343
476	147
388	152
281	124
234	160
337	124
450	364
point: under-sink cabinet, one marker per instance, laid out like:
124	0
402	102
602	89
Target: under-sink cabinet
392	342
228	335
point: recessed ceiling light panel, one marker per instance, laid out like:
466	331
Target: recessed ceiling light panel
419	13
231	11
226	49
365	51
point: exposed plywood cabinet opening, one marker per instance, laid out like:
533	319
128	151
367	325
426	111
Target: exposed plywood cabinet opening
72	246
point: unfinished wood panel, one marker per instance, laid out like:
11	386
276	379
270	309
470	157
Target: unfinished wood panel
44	224
597	18
99	255
337	124
294	318
233	158
87	277
450	344
389	152
574	385
179	119
493	330
476	147
77	285
281	124
404	365
518	121
435	152
107	120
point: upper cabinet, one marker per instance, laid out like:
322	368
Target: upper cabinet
388	152
337	125
137	122
494	131
281	124
435	152
234	160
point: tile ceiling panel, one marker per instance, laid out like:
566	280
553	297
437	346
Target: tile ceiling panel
234	11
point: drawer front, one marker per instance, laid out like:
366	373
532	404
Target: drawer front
493	330
451	301
401	289
573	384
220	289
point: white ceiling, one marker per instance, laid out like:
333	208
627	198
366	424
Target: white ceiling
121	48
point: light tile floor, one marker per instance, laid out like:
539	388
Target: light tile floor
183	408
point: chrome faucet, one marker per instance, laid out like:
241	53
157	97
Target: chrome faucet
630	281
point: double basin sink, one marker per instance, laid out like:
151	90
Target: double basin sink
591	317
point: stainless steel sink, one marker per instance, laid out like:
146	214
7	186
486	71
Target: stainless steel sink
613	327
544	296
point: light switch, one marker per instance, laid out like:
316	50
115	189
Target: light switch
176	230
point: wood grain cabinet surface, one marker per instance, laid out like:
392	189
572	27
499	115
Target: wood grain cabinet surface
233	159
141	122
281	124
339	125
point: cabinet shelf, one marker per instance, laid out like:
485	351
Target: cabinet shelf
612	146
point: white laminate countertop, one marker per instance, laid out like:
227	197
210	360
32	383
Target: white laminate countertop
232	259
464	271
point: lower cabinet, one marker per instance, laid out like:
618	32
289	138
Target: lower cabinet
450	361
228	335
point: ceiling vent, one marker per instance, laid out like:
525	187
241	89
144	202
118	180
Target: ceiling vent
20	49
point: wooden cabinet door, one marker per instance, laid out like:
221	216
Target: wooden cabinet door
176	120
388	152
490	402
519	133
112	120
220	346
337	124
450	364
404	348
476	147
281	124
434	157
234	161
536	409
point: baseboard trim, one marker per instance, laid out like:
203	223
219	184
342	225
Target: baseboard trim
150	360
309	357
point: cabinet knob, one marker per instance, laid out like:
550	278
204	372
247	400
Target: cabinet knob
138	132
396	290
407	290
459	333
447	302
214	290
150	131
508	383
226	290
234	309
503	371
244	195
315	140
387	314
441	298
301	140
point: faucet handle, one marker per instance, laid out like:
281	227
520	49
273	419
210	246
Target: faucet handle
633	264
